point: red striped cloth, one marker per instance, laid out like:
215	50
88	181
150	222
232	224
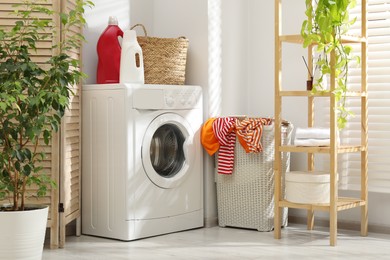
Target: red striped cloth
249	133
224	132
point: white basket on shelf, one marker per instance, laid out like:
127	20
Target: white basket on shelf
246	197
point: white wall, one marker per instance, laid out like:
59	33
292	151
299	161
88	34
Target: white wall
234	57
175	18
261	63
261	67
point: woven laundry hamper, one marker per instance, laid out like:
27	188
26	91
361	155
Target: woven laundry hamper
246	198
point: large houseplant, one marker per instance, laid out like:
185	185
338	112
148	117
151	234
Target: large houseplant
326	24
33	98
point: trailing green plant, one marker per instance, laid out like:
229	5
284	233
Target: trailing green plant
34	96
327	22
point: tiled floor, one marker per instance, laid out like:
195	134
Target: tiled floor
229	243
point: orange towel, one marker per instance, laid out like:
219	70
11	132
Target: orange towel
207	136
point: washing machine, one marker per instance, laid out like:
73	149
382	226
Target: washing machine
142	172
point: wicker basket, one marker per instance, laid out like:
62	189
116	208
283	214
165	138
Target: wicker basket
164	58
246	198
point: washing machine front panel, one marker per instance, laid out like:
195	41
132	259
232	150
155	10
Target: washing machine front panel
167	150
130	205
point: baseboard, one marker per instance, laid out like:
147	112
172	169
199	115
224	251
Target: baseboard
348	225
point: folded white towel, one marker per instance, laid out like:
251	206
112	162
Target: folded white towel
312	133
312	142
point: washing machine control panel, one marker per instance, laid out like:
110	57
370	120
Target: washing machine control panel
168	97
182	98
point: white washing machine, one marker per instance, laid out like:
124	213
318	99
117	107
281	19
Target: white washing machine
142	172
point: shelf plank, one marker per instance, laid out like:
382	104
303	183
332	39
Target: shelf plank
353	39
286	93
303	94
349	203
319	149
343	203
297	38
356	94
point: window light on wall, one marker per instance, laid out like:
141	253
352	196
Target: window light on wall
378	82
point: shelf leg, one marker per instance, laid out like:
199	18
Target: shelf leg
310	219
364	192
364	121
333	228
277	223
333	205
364	221
333	155
277	210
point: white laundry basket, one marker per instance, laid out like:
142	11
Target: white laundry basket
246	197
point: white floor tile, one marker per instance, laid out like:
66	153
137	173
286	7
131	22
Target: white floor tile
229	243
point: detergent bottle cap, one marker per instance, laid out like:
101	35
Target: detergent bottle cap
112	20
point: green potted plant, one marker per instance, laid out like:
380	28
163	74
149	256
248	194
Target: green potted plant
326	24
33	99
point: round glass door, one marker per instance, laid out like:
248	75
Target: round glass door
166	150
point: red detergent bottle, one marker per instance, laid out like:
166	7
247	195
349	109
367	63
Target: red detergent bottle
109	53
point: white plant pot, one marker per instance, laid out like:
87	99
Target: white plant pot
22	233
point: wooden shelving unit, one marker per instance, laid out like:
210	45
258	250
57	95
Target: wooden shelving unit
336	203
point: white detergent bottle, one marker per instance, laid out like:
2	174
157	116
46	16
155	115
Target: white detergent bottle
132	64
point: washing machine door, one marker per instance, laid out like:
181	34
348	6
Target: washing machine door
168	150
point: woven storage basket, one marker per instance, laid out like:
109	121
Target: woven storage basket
246	198
164	58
